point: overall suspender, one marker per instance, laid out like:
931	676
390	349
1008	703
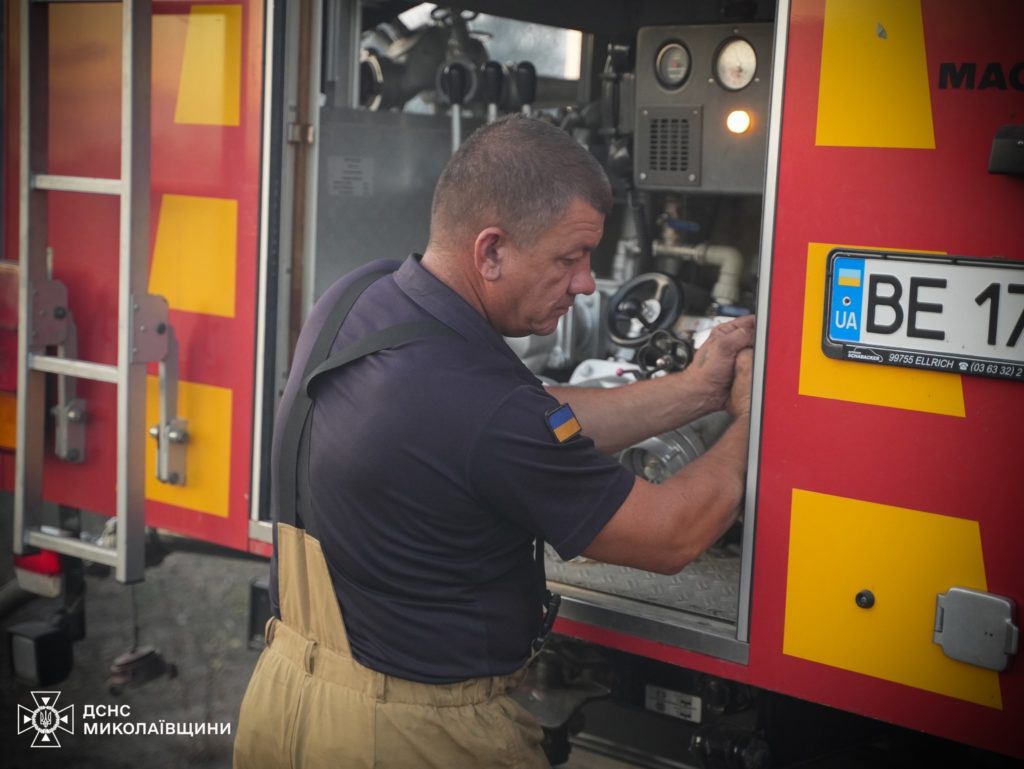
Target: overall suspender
294	504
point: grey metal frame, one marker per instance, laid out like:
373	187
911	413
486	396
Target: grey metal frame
138	315
261	529
763	304
718	639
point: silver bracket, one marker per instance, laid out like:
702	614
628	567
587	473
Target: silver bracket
151	331
171	433
50	313
70	412
975	627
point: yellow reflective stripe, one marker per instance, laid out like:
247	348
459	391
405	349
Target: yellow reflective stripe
874	89
196	254
900	388
210	86
840	546
208	458
8	420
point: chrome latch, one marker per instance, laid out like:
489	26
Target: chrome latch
975	627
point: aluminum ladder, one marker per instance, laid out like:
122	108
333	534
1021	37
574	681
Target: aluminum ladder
143	332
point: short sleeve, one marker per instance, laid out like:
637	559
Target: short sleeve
564	492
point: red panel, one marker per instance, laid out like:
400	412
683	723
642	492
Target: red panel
199	160
6	471
261	548
916	199
939	200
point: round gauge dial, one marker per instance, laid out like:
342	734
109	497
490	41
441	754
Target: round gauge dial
735	64
672	65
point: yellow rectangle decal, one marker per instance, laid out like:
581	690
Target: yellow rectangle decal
196	254
840	547
901	388
210	87
207	409
874	89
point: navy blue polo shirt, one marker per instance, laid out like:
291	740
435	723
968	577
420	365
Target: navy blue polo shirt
432	468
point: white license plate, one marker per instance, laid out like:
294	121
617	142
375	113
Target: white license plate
964	316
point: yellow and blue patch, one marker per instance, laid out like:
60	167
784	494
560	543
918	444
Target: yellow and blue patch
848	277
563	423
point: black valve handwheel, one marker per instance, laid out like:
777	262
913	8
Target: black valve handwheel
647	303
665	352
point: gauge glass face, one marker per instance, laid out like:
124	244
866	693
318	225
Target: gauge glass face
735	64
672	65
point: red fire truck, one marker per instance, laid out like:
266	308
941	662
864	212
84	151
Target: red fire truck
182	179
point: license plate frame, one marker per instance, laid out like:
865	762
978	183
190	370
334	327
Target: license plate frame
925	311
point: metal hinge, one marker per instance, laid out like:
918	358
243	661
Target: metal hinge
300	133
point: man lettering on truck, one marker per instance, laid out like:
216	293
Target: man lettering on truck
406	592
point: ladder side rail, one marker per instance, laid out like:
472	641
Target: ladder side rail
136	32
32	237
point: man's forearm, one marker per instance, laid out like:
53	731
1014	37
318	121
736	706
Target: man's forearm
619	417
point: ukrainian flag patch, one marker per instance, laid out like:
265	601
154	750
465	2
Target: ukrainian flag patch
563	423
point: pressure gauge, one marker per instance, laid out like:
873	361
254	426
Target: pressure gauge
735	64
672	65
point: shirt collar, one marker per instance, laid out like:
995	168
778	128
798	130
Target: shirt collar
438	299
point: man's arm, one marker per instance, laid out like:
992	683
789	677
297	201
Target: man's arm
619	417
663	527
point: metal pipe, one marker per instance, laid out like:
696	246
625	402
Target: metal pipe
729	261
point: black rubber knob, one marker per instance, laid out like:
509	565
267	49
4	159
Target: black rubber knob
492	79
526	82
455	82
865	599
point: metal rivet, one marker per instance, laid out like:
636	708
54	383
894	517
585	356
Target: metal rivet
865	599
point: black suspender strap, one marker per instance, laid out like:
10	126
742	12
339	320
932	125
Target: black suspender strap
552	601
296	419
385	339
293	503
294	455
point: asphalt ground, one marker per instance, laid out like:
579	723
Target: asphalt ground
193	608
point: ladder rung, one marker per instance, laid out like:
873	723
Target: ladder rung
80	369
53	2
77	184
76	548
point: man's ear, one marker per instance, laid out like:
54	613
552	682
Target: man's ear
489	252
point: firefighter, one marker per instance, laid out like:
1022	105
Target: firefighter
416	461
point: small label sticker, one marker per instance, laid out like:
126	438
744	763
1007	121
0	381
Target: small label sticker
685	707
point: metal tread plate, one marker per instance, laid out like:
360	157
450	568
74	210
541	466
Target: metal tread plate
709	586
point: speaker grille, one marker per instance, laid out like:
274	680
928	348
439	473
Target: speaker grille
669	144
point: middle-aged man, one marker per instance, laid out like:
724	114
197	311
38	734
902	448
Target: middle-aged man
416	460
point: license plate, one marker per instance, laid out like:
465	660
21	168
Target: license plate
965	316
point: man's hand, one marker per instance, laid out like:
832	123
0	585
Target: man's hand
738	404
715	363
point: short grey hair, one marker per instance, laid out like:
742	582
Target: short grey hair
517	173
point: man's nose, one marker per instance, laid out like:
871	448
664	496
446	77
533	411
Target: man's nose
582	283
